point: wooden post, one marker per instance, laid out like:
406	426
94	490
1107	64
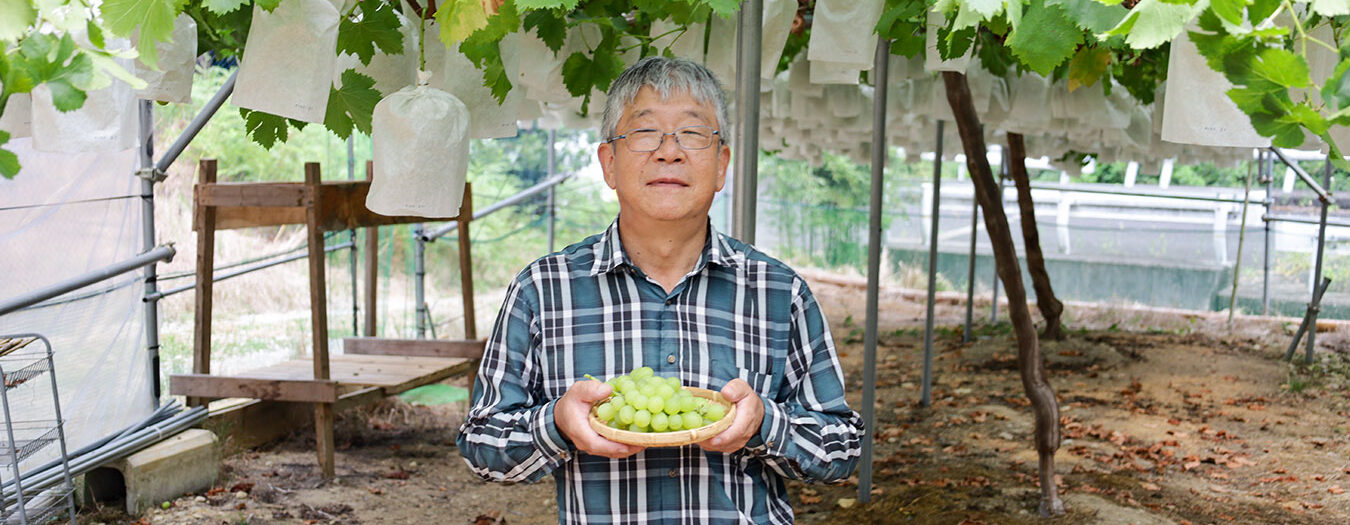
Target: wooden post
206	260
466	264
318	305
372	266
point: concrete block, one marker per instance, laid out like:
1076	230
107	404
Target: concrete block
187	462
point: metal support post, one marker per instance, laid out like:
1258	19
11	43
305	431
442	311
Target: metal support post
150	308
1309	318
420	280
1267	178
966	336
926	394
198	122
351	255
874	246
552	170
747	118
1317	265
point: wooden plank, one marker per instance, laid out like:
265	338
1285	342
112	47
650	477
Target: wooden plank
254	194
255	217
209	386
363	396
342	206
8	346
412	347
323	439
463	367
372	267
206	263
318	293
466	264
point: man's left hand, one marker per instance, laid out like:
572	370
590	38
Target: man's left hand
749	415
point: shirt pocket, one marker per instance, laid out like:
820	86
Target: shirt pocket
757	373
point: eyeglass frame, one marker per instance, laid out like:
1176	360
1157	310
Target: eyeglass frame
716	134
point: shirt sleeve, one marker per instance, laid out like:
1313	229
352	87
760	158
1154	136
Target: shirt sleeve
509	434
809	432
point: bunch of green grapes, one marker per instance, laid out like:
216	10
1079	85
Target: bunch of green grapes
643	402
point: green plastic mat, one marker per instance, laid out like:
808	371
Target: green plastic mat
435	394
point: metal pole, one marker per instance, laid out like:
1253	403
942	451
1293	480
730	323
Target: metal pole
1317	268
420	280
1267	177
747	109
150	310
160	253
874	240
1322	194
198	122
250	269
351	256
966	336
552	170
926	393
1314	306
495	207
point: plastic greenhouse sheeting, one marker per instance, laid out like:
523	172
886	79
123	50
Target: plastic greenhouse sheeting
62	216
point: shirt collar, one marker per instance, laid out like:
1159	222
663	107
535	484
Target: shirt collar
610	254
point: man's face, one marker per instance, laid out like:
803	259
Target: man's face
671	183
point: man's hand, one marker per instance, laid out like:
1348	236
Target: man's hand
749	415
572	414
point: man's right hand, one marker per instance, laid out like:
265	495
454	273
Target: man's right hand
572	415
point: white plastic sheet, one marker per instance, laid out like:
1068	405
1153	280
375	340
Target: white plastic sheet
777	21
177	59
842	32
687	45
721	58
390	72
289	60
455	74
1196	109
933	61
421	153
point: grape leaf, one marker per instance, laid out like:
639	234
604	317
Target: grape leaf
58	64
723	8
460	18
351	106
152	18
9	162
985	8
1230	10
1282	67
265	129
268	5
15	17
1091	14
221	7
1336	89
379	26
484	50
1088	66
547	4
549	26
1261	10
1152	23
1045	38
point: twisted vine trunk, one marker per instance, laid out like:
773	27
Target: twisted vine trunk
1046	301
1029	360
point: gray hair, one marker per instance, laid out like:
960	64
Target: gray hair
666	76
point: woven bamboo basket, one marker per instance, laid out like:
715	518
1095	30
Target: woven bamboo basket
669	439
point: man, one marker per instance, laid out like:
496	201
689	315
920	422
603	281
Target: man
662	288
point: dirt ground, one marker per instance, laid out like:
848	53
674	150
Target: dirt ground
1168	418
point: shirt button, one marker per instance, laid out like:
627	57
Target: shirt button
674	472
670	359
769	444
668	301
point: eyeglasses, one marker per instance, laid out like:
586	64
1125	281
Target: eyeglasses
688	137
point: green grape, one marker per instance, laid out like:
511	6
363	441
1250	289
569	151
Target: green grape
615	424
689	404
627	385
617	400
648	390
674	383
643	372
656	404
702	402
672	408
692	420
605	412
715	412
665	391
674	422
660	422
642	418
626	414
638	400
636	428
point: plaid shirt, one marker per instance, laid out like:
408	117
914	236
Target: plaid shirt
739	313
